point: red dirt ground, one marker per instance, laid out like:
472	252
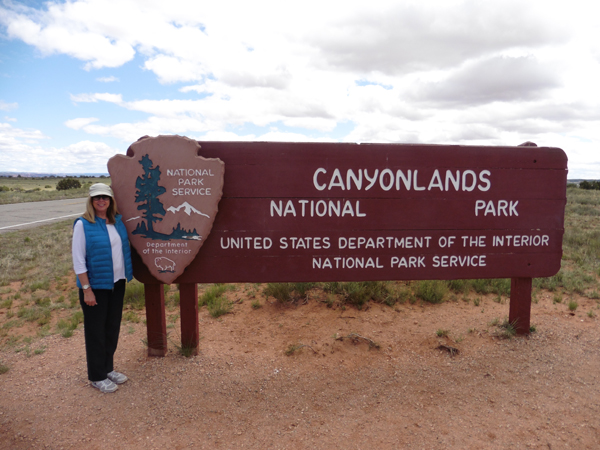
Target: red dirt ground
243	391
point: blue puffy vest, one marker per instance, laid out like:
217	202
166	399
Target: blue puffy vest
98	251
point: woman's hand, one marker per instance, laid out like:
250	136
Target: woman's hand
88	297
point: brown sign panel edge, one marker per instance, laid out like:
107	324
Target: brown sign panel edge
481	221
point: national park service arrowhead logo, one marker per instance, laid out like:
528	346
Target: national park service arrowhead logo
169	197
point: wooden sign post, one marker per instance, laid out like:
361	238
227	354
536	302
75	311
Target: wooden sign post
294	212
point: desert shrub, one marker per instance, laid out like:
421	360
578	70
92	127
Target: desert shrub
6	303
582	245
287	292
172	300
41	315
590	185
36	285
67	326
577	281
131	316
303	288
431	291
508	330
459	286
219	306
500	286
68	183
358	293
214	291
282	292
216	304
42	301
134	295
549	283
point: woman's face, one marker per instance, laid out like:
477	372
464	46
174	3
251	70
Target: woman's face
101	204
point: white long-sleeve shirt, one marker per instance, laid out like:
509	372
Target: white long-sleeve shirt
79	253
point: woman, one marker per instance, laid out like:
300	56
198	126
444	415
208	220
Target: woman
102	263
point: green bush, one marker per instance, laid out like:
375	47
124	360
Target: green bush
358	293
172	300
213	292
67	326
37	314
219	306
500	286
216	304
68	183
42	301
130	316
590	185
459	286
432	291
287	292
282	292
134	295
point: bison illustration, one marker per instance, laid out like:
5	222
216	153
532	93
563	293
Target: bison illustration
164	264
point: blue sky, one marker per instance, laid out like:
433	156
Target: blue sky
81	80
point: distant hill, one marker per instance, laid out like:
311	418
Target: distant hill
62	175
57	175
579	180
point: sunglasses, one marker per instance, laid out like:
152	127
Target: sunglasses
101	197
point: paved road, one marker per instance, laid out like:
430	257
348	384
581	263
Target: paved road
19	216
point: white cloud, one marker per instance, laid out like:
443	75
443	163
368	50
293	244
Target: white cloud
8	106
77	124
25	150
93	98
109	79
85	156
170	69
99	51
454	71
410	36
494	79
11	137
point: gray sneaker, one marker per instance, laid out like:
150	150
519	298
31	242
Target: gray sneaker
105	386
117	377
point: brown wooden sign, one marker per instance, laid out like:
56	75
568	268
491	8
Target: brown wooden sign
336	212
346	212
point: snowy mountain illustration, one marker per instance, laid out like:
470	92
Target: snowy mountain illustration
187	208
147	192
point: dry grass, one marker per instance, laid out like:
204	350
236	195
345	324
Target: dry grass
36	257
37	282
19	190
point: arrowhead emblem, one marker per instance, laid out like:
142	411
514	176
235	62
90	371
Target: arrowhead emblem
169	197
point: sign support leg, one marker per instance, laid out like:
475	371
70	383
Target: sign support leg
520	304
156	323
188	307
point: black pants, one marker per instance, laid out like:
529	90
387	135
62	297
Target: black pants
102	323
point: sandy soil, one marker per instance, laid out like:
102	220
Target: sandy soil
243	391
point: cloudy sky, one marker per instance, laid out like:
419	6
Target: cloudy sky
81	80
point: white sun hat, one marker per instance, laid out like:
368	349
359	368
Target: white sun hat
100	189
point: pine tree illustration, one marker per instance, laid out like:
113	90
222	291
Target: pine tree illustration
147	193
